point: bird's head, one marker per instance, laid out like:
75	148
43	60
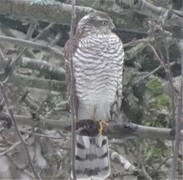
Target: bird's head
96	22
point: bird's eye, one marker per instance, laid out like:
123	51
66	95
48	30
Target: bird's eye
104	23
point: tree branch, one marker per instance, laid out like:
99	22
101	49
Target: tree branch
15	126
58	12
57	73
39	83
22	42
73	90
169	18
178	125
113	130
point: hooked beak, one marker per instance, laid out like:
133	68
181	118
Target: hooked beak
113	27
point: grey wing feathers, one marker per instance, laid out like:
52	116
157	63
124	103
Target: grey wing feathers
116	107
92	157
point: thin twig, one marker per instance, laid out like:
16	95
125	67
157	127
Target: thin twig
157	56
46	29
12	147
13	120
2	57
31	29
170	79
73	99
164	66
28	36
161	164
135	42
154	71
145	173
14	62
178	125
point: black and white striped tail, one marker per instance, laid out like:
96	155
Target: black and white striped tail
92	157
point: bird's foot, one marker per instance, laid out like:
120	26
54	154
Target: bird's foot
102	125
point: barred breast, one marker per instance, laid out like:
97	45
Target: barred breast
98	64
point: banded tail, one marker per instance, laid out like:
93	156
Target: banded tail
92	157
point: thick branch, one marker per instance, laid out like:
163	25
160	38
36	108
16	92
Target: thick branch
118	131
23	43
134	51
40	65
43	66
58	12
107	6
169	18
113	130
39	83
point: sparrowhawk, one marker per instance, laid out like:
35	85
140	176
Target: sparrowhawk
98	66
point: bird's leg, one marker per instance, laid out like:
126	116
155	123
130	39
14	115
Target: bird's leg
102	125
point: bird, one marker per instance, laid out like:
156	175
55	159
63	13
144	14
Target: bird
98	58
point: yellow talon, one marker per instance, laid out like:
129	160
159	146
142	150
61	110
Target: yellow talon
102	124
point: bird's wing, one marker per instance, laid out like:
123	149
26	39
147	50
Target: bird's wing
116	106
